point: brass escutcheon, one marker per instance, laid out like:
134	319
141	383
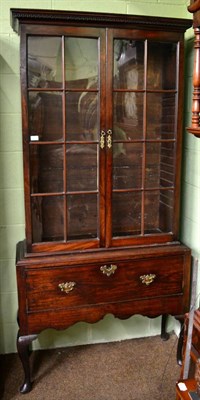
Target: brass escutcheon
147	279
67	286
109	138
108	269
102	139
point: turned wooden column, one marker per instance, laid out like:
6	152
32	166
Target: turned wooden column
195	126
195	123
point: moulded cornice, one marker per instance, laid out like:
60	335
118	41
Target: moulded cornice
19	16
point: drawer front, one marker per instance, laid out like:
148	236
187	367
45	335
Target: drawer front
74	286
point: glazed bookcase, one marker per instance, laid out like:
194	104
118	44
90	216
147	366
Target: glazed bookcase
102	111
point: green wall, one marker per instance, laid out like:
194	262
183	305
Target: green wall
11	177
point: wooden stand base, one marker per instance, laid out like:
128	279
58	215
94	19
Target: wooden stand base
23	344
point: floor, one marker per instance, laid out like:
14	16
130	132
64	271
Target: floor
137	369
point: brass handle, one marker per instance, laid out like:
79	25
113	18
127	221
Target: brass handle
102	139
108	269
109	138
67	286
147	279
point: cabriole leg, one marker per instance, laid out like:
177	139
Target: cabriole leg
23	343
179	354
164	334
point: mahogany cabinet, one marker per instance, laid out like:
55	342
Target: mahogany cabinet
102	111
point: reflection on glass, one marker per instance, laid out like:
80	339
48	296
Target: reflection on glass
159	170
46	163
167	164
47	218
151	212
82	116
128	116
161	65
128	64
81	62
45	116
126	214
82	216
161	117
84	178
158	211
152	170
127	165
44	61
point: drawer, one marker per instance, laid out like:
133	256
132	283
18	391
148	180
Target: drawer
74	286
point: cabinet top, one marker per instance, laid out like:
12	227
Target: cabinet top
32	16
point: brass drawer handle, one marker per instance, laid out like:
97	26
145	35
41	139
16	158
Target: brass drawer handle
108	269
67	286
147	279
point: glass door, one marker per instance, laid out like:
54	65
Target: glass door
143	82
65	116
102	137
